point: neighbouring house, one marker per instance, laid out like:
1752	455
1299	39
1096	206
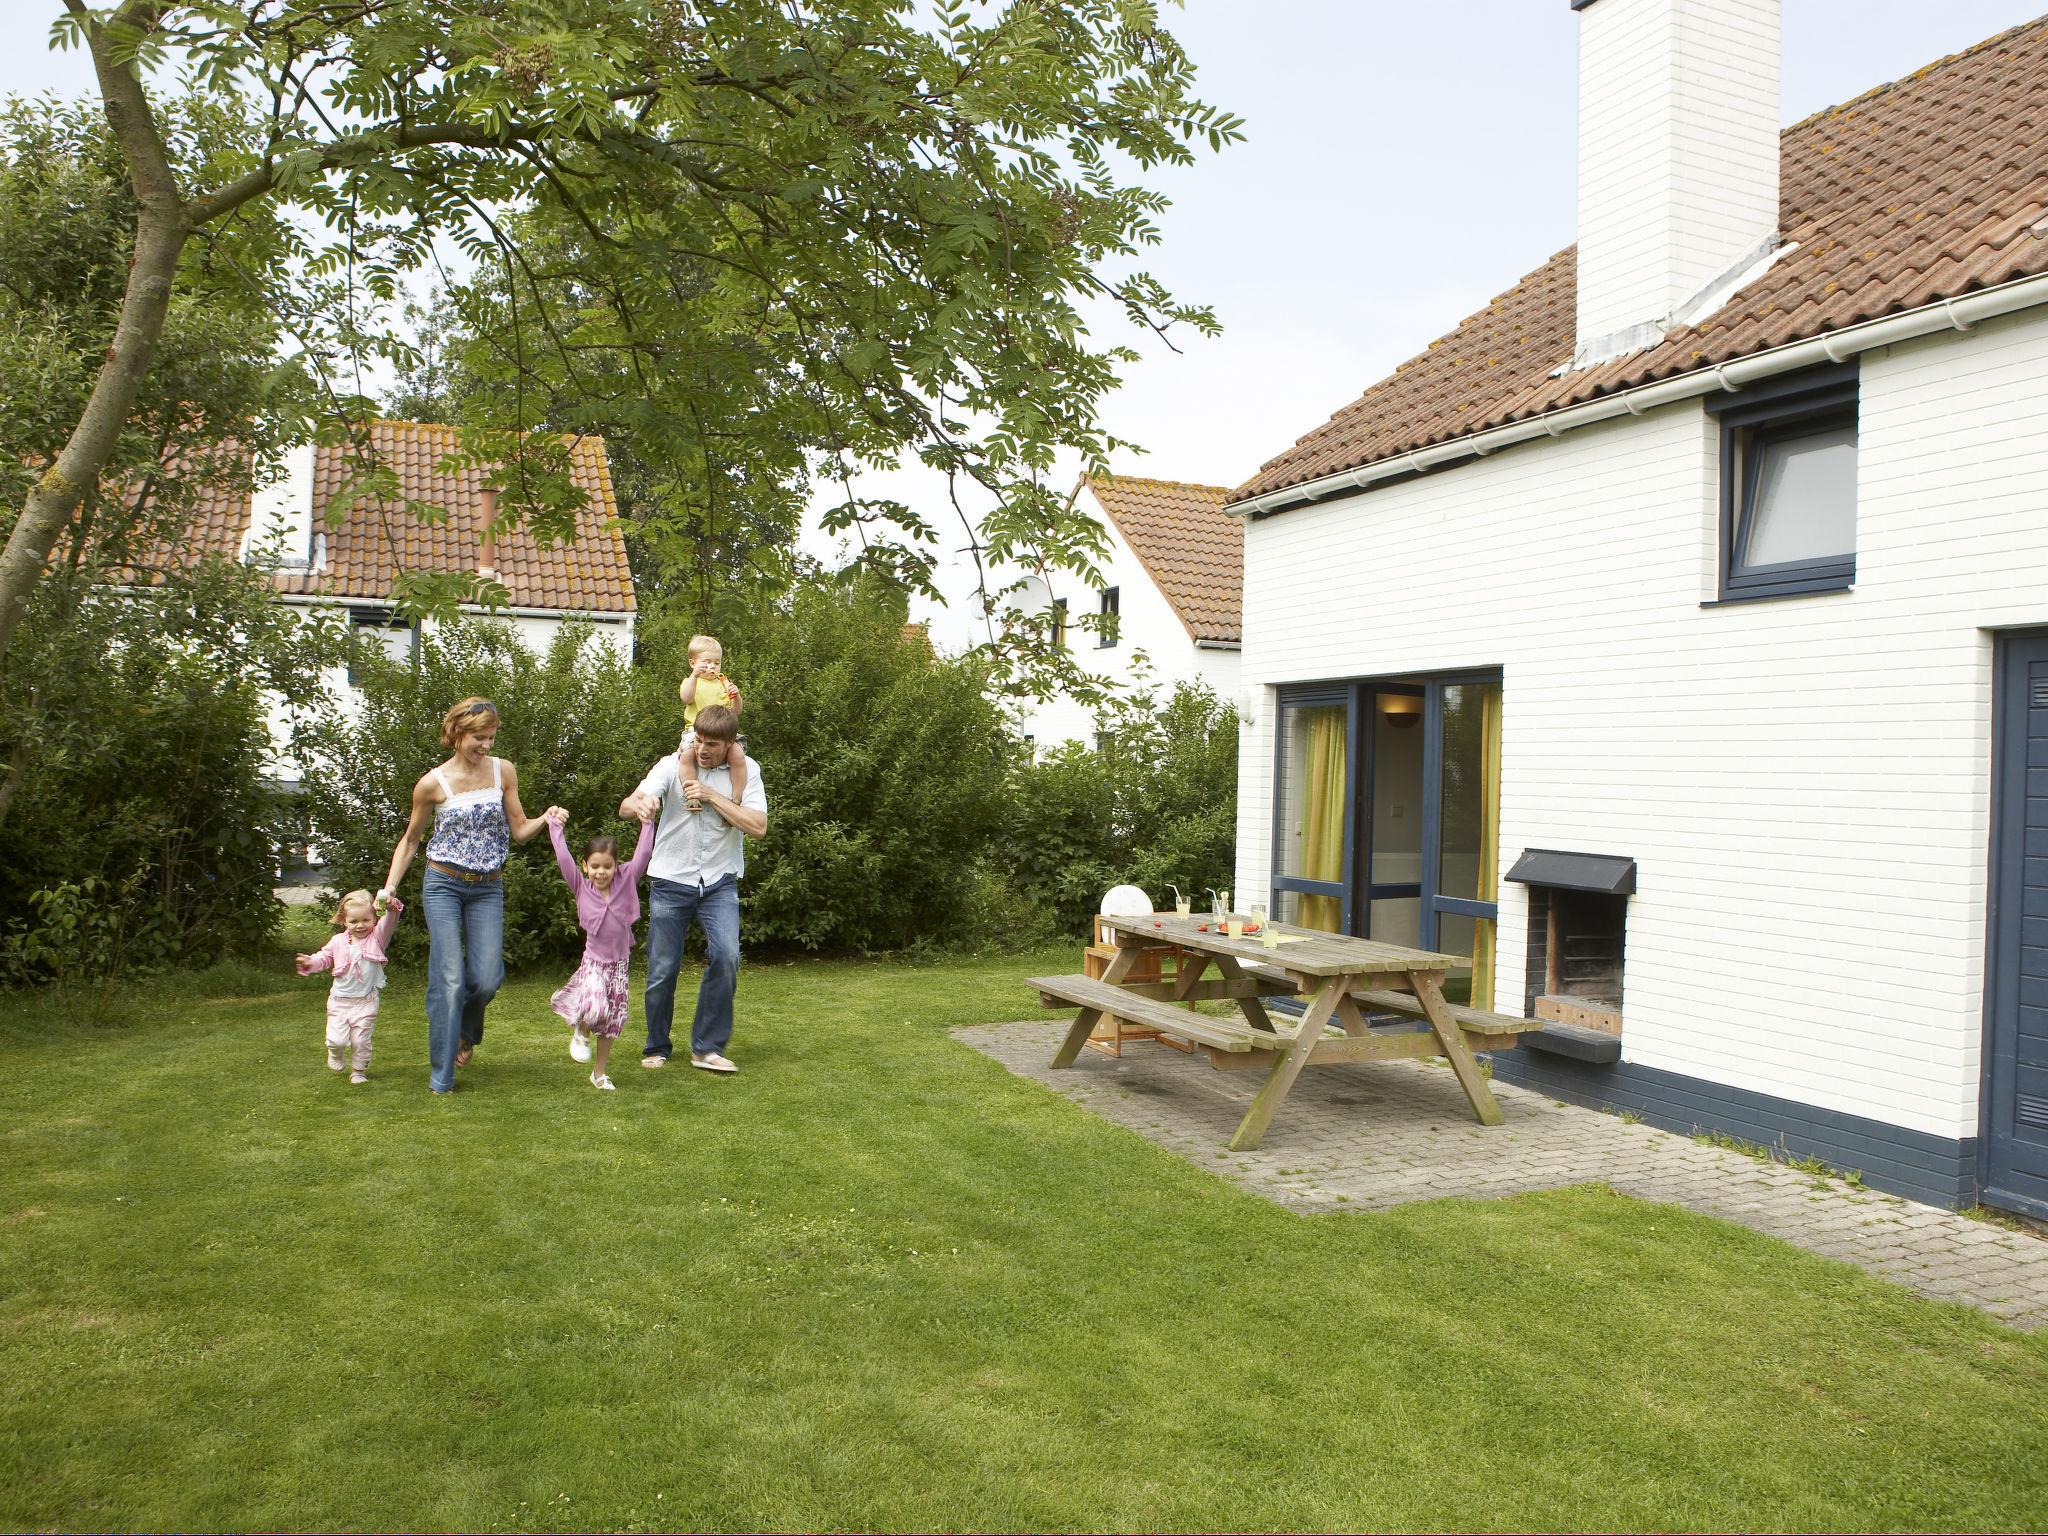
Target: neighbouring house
1670	639
1167	606
353	566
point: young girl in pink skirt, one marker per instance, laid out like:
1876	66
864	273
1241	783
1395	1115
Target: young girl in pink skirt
593	1001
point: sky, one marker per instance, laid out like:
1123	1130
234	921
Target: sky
1403	164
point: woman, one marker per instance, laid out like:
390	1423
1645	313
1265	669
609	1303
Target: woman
473	802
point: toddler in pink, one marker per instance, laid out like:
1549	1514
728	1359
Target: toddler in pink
356	955
593	1001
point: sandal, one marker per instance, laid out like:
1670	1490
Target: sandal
597	1081
462	1056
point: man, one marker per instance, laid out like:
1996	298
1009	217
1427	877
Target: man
699	856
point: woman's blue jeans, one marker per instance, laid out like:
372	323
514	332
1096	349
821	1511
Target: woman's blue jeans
465	966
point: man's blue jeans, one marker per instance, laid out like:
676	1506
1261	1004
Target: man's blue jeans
466	964
716	908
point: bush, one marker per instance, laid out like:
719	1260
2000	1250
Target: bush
141	826
1156	803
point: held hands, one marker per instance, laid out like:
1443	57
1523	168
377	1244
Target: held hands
555	814
641	807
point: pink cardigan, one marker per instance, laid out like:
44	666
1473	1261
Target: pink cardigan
607	925
340	954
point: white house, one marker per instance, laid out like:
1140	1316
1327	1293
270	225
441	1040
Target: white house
354	566
1671	637
1167	609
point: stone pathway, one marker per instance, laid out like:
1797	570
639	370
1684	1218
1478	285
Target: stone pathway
1371	1137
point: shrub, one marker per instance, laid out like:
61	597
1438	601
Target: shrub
141	826
1157	802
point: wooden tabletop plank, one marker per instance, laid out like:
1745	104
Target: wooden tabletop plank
1313	954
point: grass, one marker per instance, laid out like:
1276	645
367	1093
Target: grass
876	1282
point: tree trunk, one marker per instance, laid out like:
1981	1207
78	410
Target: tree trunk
161	229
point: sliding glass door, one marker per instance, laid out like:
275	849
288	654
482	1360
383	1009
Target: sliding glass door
1387	816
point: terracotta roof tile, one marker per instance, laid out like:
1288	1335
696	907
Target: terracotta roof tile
1192	549
1920	190
378	539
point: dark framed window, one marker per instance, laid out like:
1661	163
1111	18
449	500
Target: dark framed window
1106	632
1059	623
382	624
1788	485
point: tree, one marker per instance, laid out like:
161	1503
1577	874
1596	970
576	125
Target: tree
794	232
214	400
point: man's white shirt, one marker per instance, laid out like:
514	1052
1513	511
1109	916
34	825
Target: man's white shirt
700	847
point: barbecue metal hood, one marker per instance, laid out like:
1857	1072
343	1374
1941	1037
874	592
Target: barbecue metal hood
1608	873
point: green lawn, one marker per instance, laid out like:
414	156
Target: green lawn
874	1281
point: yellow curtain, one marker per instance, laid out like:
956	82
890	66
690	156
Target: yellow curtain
1489	844
1322	822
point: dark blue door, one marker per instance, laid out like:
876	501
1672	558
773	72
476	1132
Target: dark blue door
2016	1056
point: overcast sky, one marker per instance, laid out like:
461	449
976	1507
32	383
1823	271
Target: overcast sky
1404	162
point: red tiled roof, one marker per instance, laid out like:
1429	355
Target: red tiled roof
1192	549
378	539
1924	189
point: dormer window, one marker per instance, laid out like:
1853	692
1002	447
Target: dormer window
1788	485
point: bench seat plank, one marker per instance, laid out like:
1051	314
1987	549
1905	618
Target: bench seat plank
1123	1003
1475	1021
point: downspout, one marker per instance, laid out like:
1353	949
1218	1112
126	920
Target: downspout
1958	314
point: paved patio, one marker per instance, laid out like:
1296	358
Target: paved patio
1370	1137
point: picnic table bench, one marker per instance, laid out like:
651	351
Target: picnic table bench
1343	979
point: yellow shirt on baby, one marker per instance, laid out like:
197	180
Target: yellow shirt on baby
710	690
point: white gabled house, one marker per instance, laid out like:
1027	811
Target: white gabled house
1671	638
354	566
1167	609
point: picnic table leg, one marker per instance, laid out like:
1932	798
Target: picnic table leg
1254	1011
1118	968
1429	992
1084	1026
1252	1128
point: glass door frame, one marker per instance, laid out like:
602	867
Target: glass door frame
1355	891
1317	696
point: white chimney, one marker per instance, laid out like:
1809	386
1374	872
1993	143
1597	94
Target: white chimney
1678	161
281	515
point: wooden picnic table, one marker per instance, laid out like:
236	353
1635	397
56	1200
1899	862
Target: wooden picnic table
1341	978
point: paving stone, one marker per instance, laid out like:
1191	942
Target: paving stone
1369	1138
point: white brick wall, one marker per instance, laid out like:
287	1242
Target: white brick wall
1678	151
1805	783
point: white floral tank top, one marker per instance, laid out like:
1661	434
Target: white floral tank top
470	831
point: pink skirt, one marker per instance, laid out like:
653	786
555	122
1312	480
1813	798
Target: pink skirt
595	997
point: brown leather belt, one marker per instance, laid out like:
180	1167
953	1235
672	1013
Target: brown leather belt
473	876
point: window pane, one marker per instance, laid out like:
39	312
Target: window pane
1467	844
1471	937
1311	803
1398	920
1301	910
1805	499
1396	789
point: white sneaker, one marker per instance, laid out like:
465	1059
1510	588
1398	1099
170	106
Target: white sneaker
359	1076
711	1061
597	1081
579	1045
336	1061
